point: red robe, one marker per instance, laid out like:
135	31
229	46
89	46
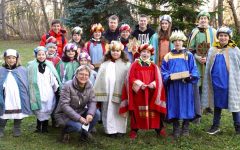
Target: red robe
146	105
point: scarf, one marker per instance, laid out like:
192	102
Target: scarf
100	83
32	69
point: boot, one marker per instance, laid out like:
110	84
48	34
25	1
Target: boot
39	126
176	129
45	126
237	129
65	137
185	128
17	127
3	123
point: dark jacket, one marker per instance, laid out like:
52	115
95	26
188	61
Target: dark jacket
143	37
73	103
109	35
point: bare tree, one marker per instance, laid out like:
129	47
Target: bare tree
4	29
220	12
45	15
232	7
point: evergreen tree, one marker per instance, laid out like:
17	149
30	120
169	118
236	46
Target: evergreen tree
183	12
84	13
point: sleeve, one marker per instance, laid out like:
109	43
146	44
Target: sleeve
207	91
43	40
193	70
65	99
92	104
154	43
165	71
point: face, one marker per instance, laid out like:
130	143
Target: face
145	54
97	35
70	54
178	44
56	27
223	38
115	54
52	50
164	25
82	76
83	61
143	22
113	24
11	60
41	56
203	21
125	34
76	37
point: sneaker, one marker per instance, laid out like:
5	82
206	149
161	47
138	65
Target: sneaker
213	130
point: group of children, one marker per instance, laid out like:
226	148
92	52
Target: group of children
147	83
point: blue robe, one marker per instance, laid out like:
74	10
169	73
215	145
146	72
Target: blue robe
180	95
20	75
219	75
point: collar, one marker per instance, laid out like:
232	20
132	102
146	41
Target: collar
141	61
231	44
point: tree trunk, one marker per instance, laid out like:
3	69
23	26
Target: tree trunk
45	16
55	9
33	19
15	31
232	7
4	29
220	13
154	7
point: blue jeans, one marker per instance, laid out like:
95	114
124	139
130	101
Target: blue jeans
75	126
217	117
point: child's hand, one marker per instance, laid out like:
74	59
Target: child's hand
143	86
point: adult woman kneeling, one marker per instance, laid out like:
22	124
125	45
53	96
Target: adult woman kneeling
77	107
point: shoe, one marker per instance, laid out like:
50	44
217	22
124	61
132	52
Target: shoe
133	135
94	130
237	129
161	132
65	138
86	136
16	132
213	130
176	129
185	128
1	132
45	126
119	135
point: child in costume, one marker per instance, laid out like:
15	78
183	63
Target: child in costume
14	92
77	38
222	83
144	95
179	72
97	46
84	59
67	66
43	83
108	88
52	50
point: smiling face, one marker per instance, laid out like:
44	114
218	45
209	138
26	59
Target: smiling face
82	77
178	44
203	21
83	61
145	54
56	27
52	50
125	34
41	56
223	38
97	35
116	54
76	37
164	25
71	54
11	60
143	23
113	24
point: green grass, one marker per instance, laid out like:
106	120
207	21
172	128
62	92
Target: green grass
198	139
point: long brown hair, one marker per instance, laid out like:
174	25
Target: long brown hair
162	34
123	56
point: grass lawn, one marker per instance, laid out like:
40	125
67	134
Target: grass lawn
198	138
